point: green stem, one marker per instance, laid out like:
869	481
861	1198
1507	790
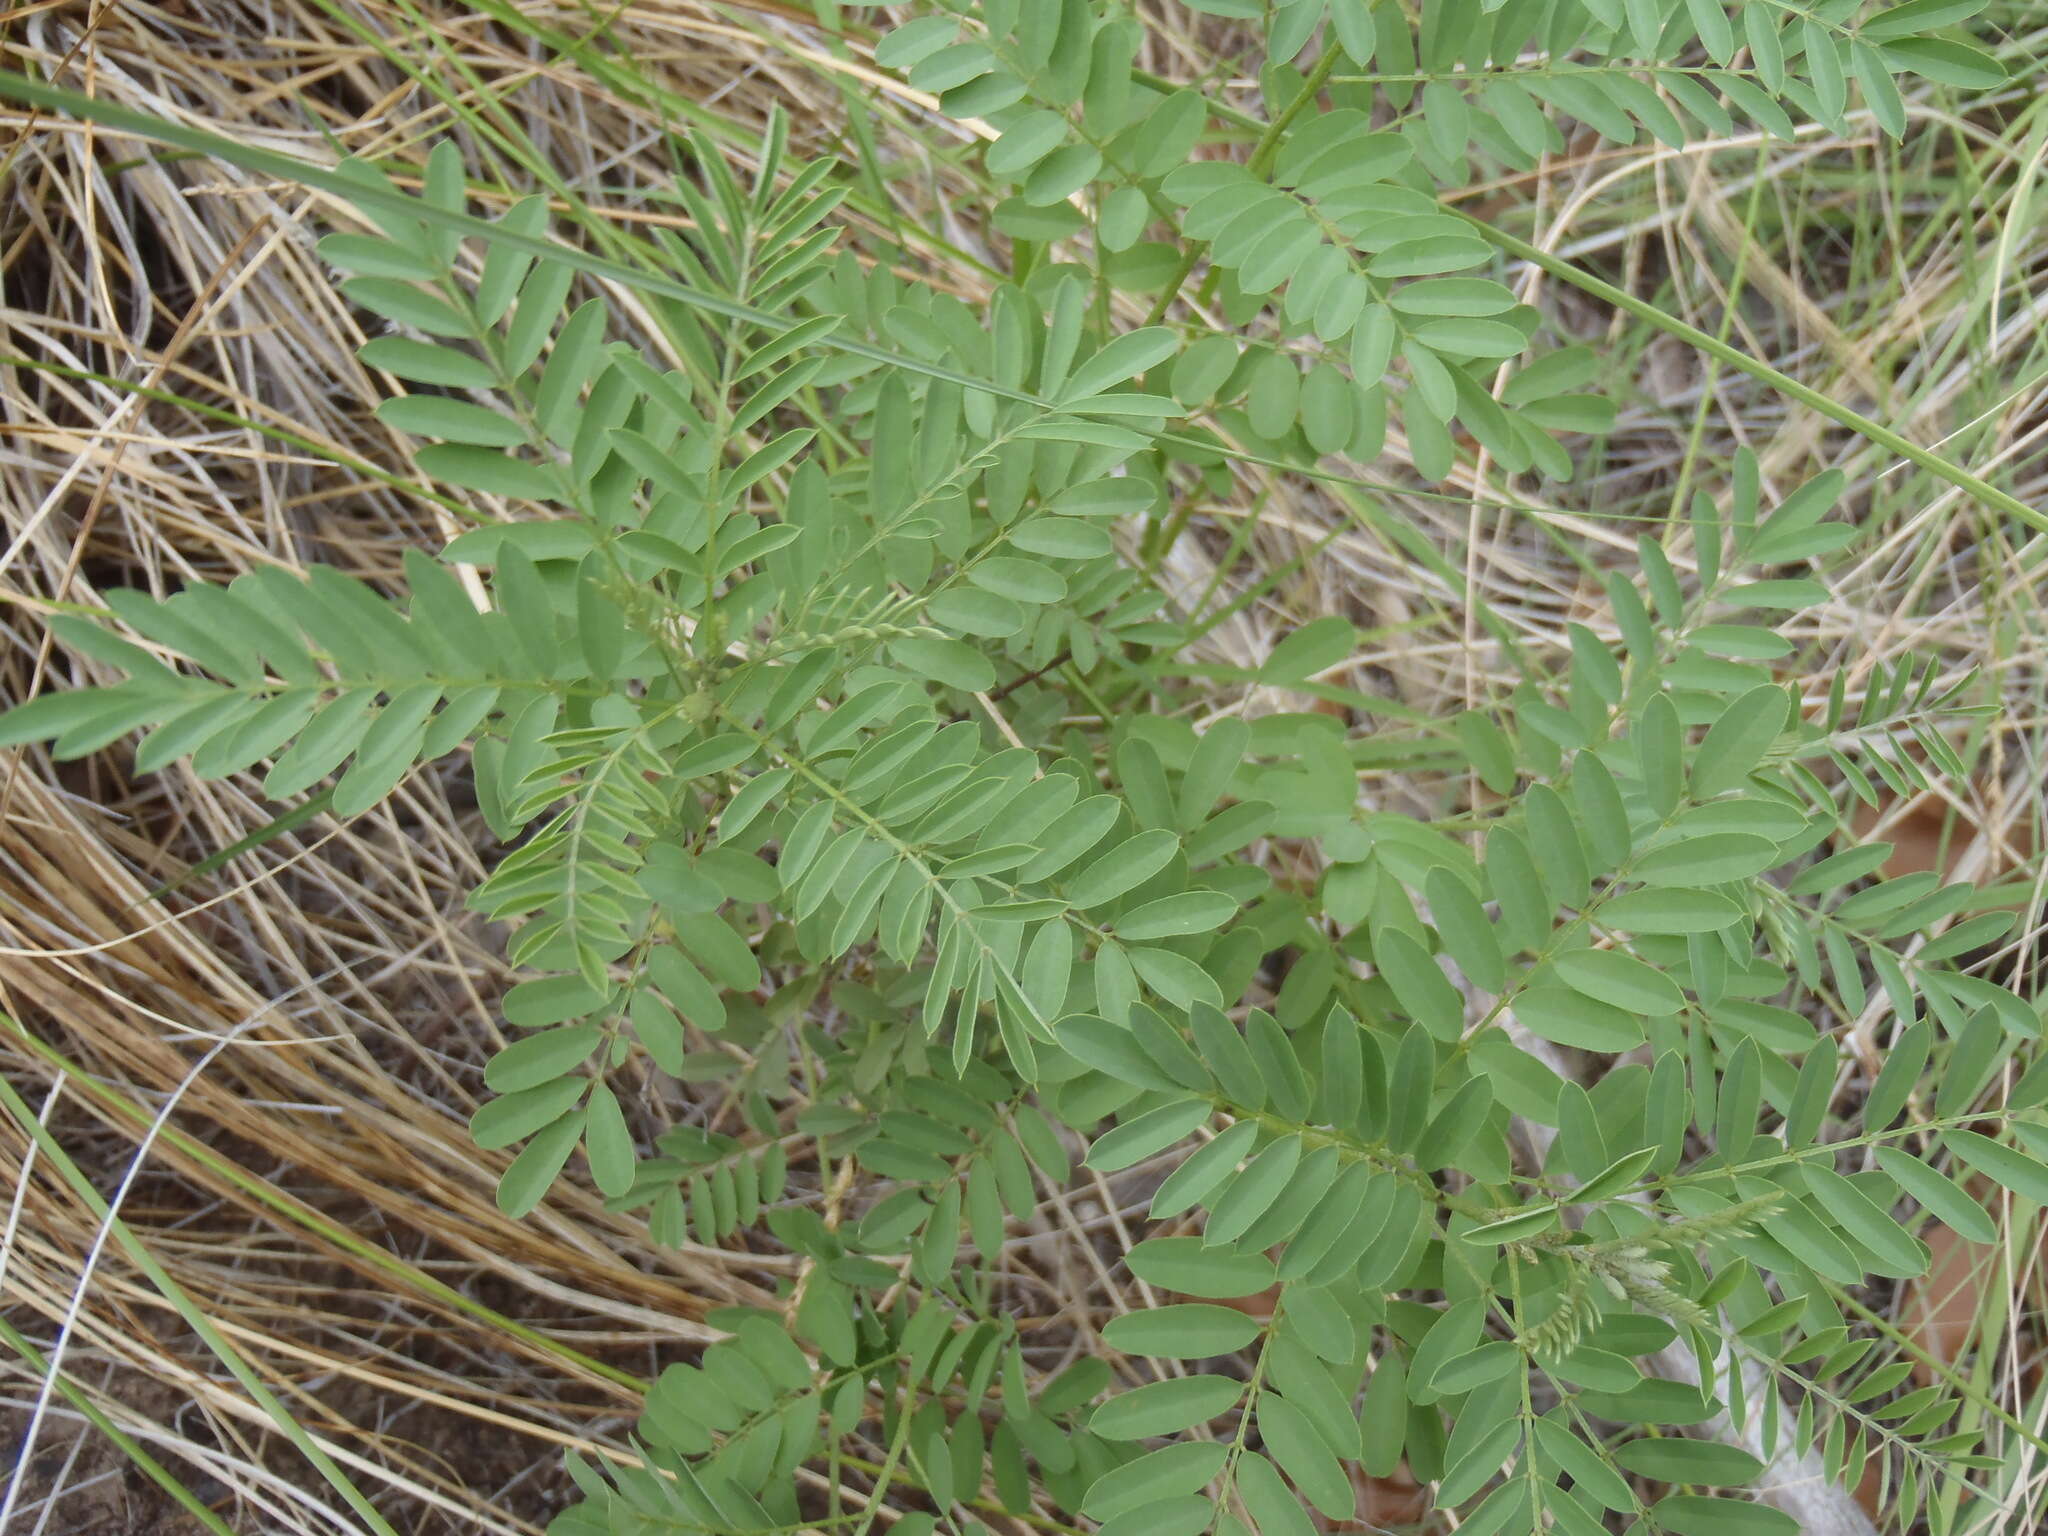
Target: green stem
299	1214
1982	489
1261	156
91	1412
195	1318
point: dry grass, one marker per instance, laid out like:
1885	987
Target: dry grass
279	1058
350	998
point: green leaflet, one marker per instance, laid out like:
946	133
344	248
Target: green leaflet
1570	1017
1513	1229
1152	1132
1700	1515
1252	1190
1735	741
1943	1198
1712	859
1122	868
1619	980
1292	1441
1175	1469
1419	985
1675	1459
2023	1175
1184	1264
1172	916
1187	1331
1671	910
1165	1407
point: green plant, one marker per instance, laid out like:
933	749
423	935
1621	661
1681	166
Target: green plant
837	748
